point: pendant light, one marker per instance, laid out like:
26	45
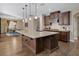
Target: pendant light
23	14
30	11
26	13
36	11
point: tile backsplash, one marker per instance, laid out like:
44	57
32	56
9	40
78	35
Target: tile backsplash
59	27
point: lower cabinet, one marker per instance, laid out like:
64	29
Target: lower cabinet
65	36
39	45
51	42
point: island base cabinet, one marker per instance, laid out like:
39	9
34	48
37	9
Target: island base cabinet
38	45
51	43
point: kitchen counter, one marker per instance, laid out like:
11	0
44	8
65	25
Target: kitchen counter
64	34
35	34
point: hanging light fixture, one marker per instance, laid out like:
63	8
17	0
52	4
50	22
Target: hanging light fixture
26	13
36	11
23	14
30	11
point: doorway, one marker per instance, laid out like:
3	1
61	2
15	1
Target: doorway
76	25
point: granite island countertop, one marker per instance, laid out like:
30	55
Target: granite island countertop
35	34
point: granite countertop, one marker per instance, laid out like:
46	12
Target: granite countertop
35	34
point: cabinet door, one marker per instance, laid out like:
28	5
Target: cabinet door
61	20
54	41
47	19
51	42
65	18
64	36
47	43
39	45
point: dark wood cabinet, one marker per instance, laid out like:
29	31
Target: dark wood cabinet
65	18
65	36
53	17
51	42
54	41
62	36
46	20
38	45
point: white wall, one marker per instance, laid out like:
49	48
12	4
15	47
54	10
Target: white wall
78	26
73	26
41	23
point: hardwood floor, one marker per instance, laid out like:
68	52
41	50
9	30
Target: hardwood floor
12	46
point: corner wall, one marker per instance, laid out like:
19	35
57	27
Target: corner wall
73	28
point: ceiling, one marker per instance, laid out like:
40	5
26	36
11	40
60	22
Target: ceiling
15	9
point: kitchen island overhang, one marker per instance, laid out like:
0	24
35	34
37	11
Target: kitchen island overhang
39	41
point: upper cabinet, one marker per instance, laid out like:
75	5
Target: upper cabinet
52	18
57	18
65	18
46	20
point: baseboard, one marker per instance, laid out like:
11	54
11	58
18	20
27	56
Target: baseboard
72	40
75	39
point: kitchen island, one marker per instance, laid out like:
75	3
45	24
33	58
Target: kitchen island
39	41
